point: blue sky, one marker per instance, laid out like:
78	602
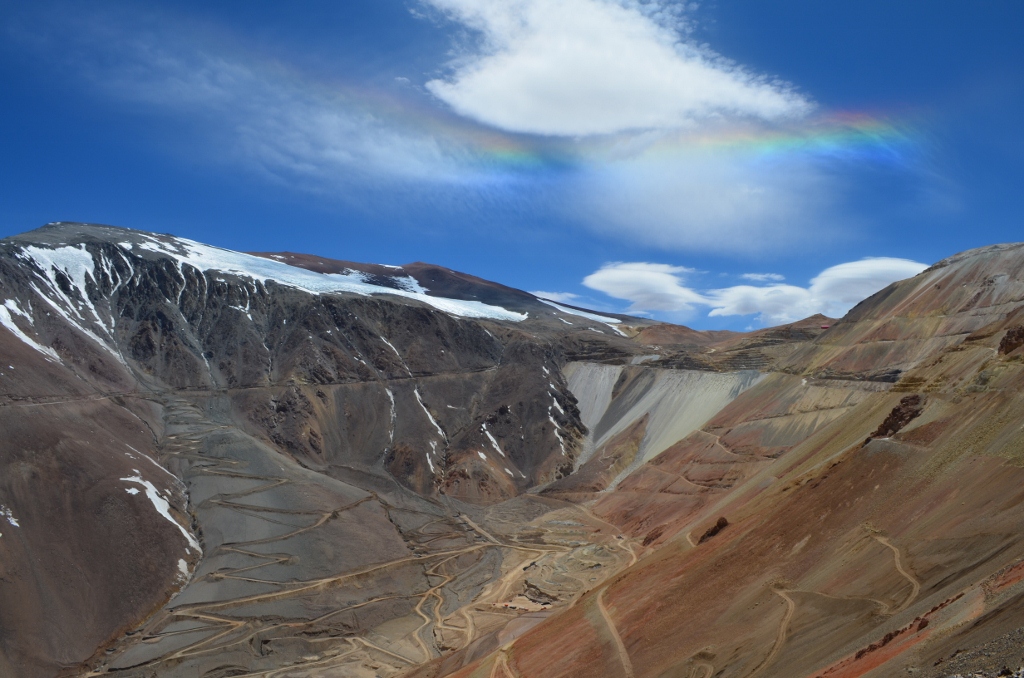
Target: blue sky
725	165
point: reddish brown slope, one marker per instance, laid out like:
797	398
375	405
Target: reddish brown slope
844	555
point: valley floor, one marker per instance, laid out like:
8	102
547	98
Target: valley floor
282	543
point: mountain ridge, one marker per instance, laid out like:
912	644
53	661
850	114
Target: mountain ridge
253	467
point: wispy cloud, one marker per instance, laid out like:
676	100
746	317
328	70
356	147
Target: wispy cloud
259	113
562	297
663	288
706	199
763	277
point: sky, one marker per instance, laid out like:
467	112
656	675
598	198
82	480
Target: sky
721	165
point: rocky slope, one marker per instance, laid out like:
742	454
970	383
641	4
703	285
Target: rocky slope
220	464
858	512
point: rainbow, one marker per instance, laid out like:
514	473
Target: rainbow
487	155
844	136
848	137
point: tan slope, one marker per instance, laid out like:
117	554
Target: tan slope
909	321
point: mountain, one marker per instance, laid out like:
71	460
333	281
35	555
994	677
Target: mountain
855	512
223	464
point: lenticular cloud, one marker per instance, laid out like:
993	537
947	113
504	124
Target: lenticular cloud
650	287
583	67
833	292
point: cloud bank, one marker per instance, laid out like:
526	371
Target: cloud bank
649	287
661	288
583	67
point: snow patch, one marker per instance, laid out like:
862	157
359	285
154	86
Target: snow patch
392	347
554	401
482	455
163	507
75	262
433	421
400	358
394	415
493	441
558	433
6	514
582	313
7	320
151	461
77	265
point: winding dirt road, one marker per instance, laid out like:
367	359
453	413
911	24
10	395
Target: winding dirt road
915	585
253	588
780	637
620	647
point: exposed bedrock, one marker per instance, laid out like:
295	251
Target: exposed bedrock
634	413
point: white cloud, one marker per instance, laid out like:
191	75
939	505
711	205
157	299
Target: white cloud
582	67
649	287
563	297
763	277
660	287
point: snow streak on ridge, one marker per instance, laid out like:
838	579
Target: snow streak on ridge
208	258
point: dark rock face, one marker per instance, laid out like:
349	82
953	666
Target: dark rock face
910	408
1012	340
192	329
712	531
